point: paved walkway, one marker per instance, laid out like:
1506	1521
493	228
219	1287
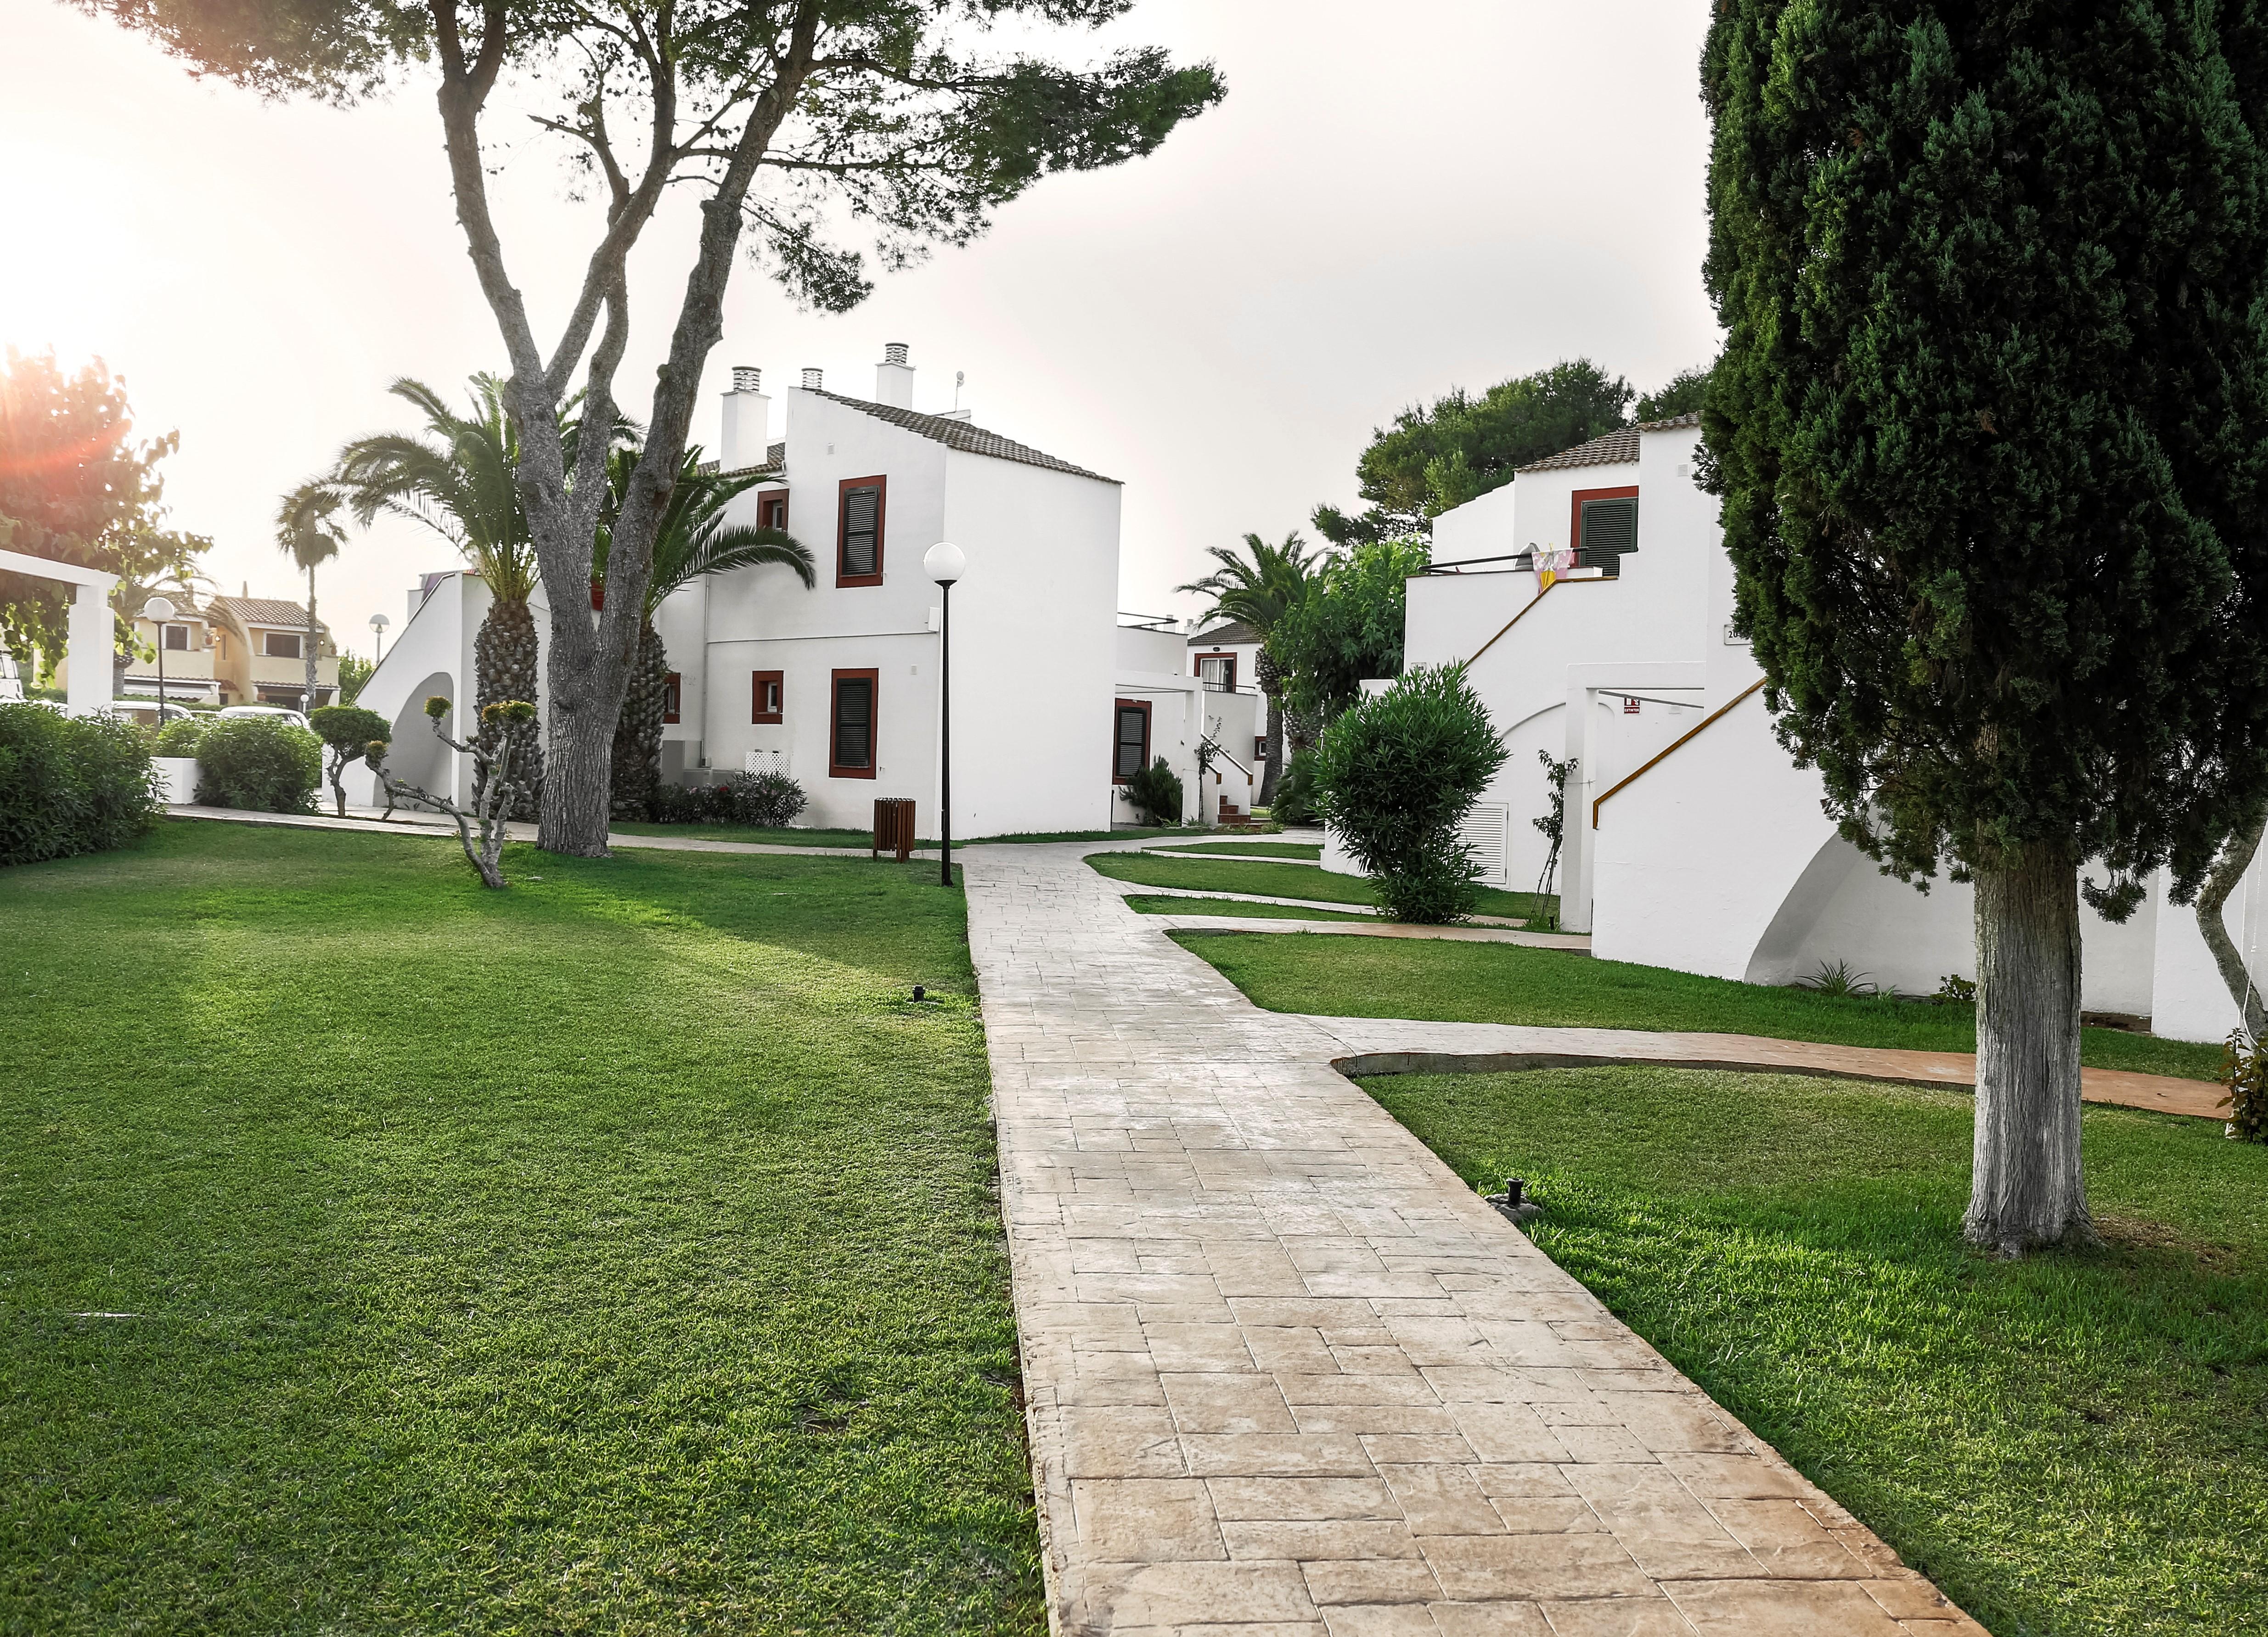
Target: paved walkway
1390	1045
1288	1377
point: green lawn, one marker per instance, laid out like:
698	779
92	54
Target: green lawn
2075	1444
616	1253
1166	904
1310	850
1281	881
1488	983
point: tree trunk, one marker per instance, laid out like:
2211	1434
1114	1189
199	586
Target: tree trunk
310	643
638	736
2235	861
2026	1188
504	668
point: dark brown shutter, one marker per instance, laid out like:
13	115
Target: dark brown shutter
854	722
861	531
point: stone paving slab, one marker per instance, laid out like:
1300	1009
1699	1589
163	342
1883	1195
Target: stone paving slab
1578	943
1286	1375
1385	1045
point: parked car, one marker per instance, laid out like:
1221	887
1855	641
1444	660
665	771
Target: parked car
295	717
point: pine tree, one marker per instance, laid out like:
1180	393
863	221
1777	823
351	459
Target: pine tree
1991	435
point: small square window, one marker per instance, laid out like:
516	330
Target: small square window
280	645
767	697
177	639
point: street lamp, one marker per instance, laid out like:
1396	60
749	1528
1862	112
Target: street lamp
159	610
378	625
944	563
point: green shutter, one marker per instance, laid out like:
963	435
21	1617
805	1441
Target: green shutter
1609	532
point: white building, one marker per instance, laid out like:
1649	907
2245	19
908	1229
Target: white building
1691	840
1226	659
1165	709
838	685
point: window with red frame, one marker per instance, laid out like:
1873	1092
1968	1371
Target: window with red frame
771	511
861	514
1130	751
767	698
672	695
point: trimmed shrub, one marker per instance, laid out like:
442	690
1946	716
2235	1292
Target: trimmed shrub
72	785
181	736
348	732
1397	774
1156	793
1295	792
769	800
261	764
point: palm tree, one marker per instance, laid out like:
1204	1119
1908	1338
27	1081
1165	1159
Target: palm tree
458	479
694	540
1258	589
308	530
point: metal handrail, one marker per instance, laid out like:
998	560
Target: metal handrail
1673	745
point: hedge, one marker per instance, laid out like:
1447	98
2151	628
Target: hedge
70	784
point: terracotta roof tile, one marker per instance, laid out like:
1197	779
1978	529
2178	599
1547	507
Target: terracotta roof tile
1229	636
1617	447
961	435
243	611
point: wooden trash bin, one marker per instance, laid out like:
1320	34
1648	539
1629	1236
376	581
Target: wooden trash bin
893	827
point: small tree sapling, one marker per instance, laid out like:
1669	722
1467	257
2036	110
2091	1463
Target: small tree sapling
492	806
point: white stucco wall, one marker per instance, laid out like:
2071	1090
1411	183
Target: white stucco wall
1032	662
2191	1000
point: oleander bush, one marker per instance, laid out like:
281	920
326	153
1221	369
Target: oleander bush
263	764
768	801
181	736
72	785
1396	775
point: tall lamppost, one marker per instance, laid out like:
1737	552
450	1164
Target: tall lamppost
378	625
944	563
159	610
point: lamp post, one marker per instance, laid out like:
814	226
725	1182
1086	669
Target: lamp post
944	563
159	610
378	625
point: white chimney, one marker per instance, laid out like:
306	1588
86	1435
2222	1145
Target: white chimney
814	380
893	378
745	433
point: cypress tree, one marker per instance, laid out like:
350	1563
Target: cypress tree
1991	434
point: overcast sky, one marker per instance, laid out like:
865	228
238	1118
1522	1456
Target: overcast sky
1394	200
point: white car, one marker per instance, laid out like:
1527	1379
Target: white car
297	719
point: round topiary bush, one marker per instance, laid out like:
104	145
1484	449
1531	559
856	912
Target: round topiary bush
1396	776
261	764
70	784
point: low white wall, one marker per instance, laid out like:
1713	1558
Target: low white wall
178	775
2191	1000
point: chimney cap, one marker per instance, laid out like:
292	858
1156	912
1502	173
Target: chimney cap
811	379
748	378
894	352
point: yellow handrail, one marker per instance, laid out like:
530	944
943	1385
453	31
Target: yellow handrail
1674	744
